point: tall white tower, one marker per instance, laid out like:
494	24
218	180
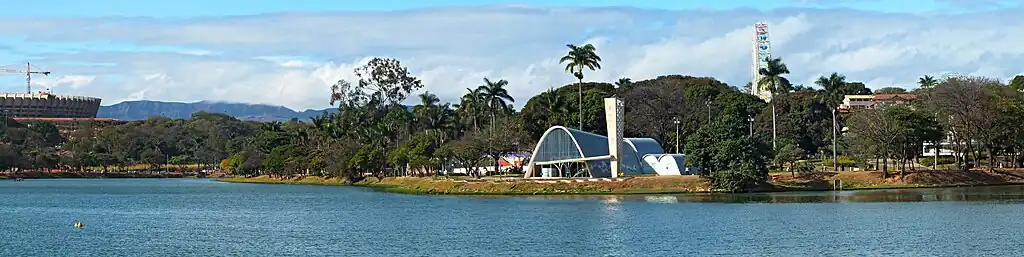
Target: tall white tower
613	110
761	53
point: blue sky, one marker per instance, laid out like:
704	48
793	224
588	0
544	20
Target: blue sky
289	52
188	8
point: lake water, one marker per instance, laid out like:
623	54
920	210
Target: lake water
198	217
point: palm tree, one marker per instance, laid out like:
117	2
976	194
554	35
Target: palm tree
433	117
772	78
423	111
832	94
470	105
623	83
552	103
579	58
927	82
495	97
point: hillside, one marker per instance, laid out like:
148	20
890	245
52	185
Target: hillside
140	110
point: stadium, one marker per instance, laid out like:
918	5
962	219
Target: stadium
46	105
67	113
64	111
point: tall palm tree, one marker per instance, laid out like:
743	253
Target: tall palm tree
423	110
927	82
579	58
433	117
553	103
470	106
495	97
833	91
772	78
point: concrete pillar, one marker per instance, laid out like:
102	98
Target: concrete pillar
613	117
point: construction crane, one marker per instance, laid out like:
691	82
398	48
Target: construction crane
28	75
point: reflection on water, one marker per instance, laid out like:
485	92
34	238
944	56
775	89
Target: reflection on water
1009	194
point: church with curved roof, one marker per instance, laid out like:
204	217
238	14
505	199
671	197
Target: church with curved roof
570	153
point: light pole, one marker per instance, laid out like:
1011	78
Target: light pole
579	75
676	121
835	156
708	103
751	119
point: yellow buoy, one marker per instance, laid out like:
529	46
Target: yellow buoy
79	224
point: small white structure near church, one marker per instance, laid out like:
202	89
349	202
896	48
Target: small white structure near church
669	164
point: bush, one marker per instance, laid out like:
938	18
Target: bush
843	162
803	167
734	181
943	160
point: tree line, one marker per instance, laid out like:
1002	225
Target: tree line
733	137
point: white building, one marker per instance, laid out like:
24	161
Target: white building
856	102
945	149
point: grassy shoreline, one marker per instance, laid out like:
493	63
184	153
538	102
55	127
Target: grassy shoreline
656	185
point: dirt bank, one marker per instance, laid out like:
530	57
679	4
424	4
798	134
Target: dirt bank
910	179
655	185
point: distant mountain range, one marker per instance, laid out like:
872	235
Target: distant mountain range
140	110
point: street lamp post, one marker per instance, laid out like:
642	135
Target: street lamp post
708	103
676	121
835	156
751	119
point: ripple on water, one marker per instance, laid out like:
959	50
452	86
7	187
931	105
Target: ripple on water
188	217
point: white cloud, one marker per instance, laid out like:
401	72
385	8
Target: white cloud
291	59
73	82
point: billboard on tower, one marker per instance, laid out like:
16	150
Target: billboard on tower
761	54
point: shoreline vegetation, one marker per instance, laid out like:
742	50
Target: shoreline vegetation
819	181
109	174
727	134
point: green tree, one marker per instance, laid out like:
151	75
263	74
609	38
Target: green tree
576	60
467	152
536	115
891	90
772	78
927	82
728	158
834	89
788	153
495	97
471	106
873	133
433	116
624	84
553	104
1017	83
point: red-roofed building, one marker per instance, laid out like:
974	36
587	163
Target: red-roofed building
856	102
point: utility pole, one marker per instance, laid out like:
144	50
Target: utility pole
676	121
